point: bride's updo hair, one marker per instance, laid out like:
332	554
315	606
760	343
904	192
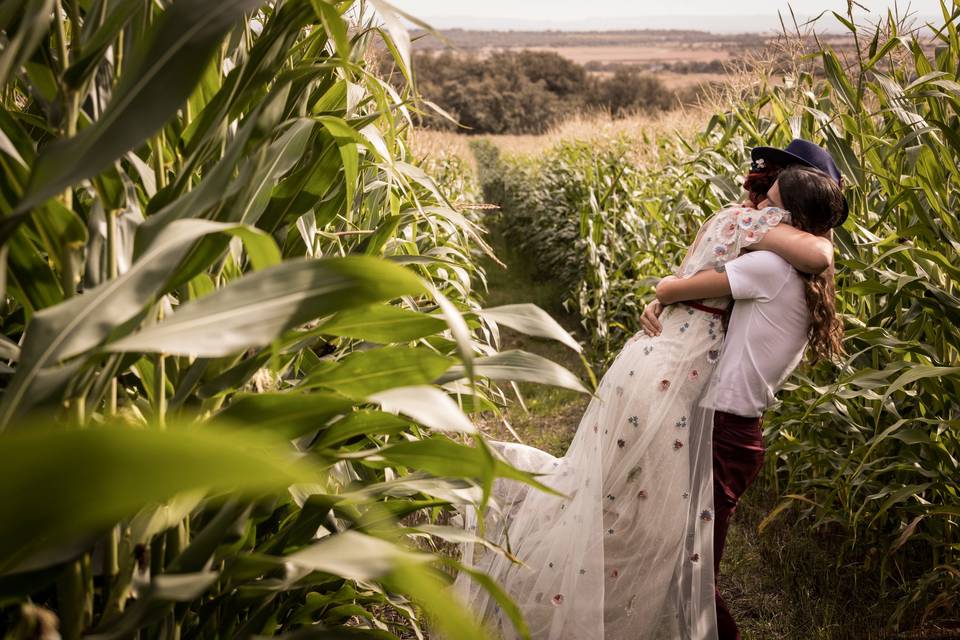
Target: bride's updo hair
816	202
759	180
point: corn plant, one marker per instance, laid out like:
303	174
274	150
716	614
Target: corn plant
589	218
241	335
870	446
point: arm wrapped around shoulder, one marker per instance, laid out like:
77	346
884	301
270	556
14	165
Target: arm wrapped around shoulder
806	252
700	286
726	234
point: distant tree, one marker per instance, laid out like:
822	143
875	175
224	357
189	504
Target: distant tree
561	76
522	92
505	102
507	92
627	91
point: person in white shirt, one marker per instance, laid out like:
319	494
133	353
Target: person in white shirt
778	313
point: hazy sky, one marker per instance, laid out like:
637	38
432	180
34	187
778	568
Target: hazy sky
610	13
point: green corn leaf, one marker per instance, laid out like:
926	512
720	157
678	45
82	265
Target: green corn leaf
83	322
118	471
289	414
382	323
532	320
360	423
158	78
22	43
520	365
354	555
362	373
255	310
427	405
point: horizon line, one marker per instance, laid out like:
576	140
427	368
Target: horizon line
725	23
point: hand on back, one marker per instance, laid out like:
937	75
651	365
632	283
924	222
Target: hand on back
650	319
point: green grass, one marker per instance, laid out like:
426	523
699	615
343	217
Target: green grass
784	583
552	414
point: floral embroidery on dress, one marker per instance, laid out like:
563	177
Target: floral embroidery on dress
681	423
677	444
558	599
713	356
683	328
664	384
621	443
706	515
693	375
631	372
610	531
728	231
611	497
582	571
686	494
633	473
619	390
647	349
641	494
615	573
596	428
695	557
634	420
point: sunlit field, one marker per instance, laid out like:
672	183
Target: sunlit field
261	319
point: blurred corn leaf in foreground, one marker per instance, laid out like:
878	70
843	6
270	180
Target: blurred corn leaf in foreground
240	328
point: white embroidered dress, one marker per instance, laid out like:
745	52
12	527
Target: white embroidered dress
629	553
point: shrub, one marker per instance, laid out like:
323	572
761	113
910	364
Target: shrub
628	91
525	92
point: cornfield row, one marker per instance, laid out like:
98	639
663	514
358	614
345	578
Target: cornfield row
241	331
869	446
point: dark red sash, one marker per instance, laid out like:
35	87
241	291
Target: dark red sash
703	307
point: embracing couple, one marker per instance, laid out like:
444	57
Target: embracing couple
673	438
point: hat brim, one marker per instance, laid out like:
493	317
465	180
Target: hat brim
778	156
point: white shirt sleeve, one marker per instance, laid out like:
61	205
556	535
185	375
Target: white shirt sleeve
757	275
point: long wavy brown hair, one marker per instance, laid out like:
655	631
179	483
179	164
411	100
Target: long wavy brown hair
816	203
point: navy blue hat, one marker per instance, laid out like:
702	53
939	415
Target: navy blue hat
804	152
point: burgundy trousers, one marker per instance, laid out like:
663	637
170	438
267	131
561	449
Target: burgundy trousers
737	458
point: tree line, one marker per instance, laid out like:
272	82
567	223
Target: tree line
528	91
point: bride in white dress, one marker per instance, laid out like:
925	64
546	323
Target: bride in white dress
628	553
